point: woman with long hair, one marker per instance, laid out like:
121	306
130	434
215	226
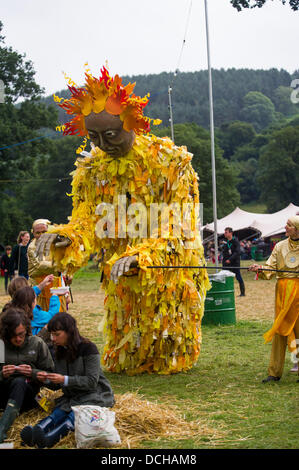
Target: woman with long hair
25	356
25	298
78	373
19	259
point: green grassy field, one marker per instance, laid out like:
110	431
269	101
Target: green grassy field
255	207
224	390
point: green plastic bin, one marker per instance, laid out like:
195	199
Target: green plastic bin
259	255
253	252
220	301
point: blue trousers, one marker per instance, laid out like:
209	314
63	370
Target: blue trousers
58	416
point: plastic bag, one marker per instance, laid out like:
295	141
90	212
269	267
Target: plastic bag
94	425
44	399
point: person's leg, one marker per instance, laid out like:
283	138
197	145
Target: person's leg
277	358
30	435
240	281
16	390
6	275
64	424
296	331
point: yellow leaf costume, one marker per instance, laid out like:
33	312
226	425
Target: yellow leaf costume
153	316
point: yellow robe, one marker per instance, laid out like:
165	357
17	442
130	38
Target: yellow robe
153	316
287	292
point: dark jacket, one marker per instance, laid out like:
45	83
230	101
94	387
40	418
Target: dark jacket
19	260
34	352
6	264
87	384
231	251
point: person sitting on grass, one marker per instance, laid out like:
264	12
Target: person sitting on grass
78	373
25	356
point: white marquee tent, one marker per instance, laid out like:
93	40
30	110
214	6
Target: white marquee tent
266	224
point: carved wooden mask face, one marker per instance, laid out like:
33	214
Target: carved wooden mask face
106	132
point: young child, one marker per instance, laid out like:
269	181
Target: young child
6	266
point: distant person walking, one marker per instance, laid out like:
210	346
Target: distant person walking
19	259
6	266
231	257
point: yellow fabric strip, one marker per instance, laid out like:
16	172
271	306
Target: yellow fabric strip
286	309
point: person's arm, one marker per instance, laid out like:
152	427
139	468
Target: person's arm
37	267
44	360
41	317
46	281
37	290
235	249
89	380
270	263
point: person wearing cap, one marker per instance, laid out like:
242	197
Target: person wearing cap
38	269
285	329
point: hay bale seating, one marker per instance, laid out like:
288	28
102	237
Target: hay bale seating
136	420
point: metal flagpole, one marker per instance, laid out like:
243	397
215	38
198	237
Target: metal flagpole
212	139
170	113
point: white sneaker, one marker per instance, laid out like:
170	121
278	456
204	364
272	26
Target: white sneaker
295	368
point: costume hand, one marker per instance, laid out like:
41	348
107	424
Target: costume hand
8	370
25	369
123	265
56	378
43	244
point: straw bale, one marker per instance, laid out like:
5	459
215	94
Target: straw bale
136	420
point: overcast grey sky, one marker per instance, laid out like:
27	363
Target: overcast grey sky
144	37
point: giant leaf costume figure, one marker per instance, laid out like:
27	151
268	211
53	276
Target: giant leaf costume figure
153	316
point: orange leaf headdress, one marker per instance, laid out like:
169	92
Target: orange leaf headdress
104	93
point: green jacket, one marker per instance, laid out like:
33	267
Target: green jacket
34	352
86	383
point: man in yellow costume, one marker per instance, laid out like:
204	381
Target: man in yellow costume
153	316
285	329
38	269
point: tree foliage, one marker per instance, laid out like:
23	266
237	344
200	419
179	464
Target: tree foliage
198	143
240	4
18	124
278	173
52	183
258	109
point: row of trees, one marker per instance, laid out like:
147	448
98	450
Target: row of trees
259	97
257	142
